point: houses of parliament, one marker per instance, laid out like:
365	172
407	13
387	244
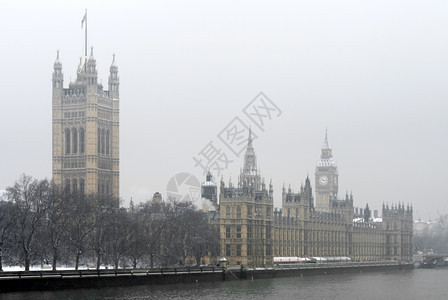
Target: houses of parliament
86	160
252	231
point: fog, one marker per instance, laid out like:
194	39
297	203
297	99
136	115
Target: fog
373	72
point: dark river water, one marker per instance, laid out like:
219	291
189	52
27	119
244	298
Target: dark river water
422	284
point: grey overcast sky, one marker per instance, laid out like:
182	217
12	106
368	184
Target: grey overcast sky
375	73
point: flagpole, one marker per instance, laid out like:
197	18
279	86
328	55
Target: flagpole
86	35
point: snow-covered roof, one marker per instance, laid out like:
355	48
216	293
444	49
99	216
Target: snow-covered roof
361	220
326	162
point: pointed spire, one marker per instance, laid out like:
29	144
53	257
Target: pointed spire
91	52
113	59
57	56
57	62
326	145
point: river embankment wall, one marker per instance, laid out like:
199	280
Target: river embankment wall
52	280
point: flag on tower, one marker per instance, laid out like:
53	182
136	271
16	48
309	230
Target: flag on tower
84	19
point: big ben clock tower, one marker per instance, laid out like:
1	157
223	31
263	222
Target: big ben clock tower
326	178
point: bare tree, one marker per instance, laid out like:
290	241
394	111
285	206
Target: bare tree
81	224
119	229
154	217
31	198
57	222
8	214
136	239
98	237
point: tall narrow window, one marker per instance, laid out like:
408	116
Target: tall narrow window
228	232
227	211
75	185
107	142
67	185
81	185
102	141
98	138
67	141
81	140
238	212
238	232
75	140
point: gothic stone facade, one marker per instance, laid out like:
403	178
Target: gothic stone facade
86	130
252	232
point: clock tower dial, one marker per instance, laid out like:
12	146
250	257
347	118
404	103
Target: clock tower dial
323	180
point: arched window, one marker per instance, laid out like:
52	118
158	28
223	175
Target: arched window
98	138
75	185
81	185
75	140
107	187
103	139
81	140
67	141
107	142
67	185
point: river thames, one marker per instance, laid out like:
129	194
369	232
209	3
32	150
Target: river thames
412	284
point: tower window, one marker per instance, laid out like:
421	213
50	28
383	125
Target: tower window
107	142
75	185
81	140
102	141
67	141
75	140
67	185
227	211
98	138
81	185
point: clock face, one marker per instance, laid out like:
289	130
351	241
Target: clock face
323	180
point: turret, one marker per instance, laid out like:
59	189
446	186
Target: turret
58	77
367	213
114	81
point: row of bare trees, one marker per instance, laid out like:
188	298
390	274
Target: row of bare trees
42	225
